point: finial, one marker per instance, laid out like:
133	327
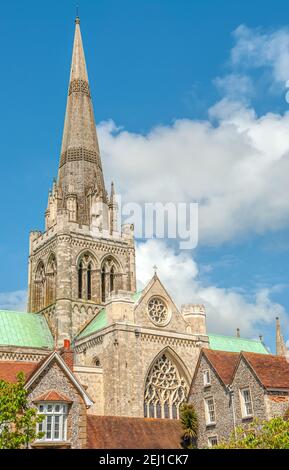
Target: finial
77	20
155	269
261	338
112	189
238	332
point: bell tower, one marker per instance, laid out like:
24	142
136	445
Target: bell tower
83	255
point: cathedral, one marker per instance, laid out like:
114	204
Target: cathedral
132	353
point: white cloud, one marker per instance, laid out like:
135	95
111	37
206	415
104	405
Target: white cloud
13	300
256	48
236	168
235	86
227	309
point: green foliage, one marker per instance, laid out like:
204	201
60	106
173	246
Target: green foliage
273	434
189	421
17	420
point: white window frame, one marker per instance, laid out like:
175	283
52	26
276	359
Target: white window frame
209	422
207	378
49	410
244	403
210	438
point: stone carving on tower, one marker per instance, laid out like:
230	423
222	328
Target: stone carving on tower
82	256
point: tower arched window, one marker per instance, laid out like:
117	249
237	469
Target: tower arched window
80	280
165	389
51	280
110	277
86	277
39	288
89	282
103	286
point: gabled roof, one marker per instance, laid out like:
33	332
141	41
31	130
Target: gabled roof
52	395
272	371
24	329
62	364
235	344
223	362
115	432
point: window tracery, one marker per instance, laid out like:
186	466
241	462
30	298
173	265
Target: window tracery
158	311
166	389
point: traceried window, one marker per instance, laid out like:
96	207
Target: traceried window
158	311
246	403
89	282
86	273
110	277
39	287
51	280
210	411
166	389
80	280
54	425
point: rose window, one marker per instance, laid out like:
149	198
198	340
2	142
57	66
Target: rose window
158	311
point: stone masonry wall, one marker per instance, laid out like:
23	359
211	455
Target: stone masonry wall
54	378
244	378
223	406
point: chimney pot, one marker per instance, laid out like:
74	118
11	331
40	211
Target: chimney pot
66	344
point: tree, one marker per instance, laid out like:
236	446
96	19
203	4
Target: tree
17	419
189	421
272	434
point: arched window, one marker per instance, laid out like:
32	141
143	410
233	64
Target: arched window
86	272
39	292
111	279
80	281
51	280
103	289
165	390
89	282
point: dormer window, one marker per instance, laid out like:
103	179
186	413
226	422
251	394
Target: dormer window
54	425
207	378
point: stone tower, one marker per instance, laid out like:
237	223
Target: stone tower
82	257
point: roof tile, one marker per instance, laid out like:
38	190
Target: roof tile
114	432
224	363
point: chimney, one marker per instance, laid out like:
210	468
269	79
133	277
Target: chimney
67	354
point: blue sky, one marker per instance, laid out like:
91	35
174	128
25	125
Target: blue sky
152	63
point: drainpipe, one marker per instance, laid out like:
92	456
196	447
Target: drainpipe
231	393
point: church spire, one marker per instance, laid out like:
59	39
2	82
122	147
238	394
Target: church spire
80	167
281	349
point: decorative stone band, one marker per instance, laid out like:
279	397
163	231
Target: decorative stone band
78	154
79	86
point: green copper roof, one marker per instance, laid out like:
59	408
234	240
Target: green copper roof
99	322
235	344
24	329
136	296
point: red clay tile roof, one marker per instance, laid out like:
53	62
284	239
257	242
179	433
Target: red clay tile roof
272	371
52	395
114	432
9	370
223	362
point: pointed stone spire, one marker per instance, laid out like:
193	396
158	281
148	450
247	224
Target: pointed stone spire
280	343
80	164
